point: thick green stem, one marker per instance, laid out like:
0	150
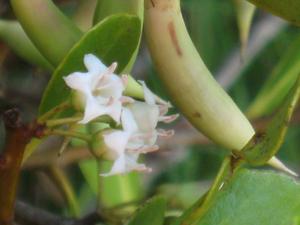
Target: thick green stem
48	28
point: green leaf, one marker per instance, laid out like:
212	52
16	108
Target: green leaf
107	8
49	29
278	85
14	36
245	12
152	213
255	197
263	146
89	169
287	9
113	40
119	189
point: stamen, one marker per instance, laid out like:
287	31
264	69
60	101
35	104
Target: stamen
165	133
144	150
126	100
143	169
110	101
111	69
163	109
168	119
124	78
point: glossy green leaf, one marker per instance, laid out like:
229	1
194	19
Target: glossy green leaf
278	85
152	213
287	9
255	198
113	40
263	146
107	8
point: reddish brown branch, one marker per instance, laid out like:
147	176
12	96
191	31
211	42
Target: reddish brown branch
10	162
17	136
29	215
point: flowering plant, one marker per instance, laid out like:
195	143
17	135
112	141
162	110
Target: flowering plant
84	128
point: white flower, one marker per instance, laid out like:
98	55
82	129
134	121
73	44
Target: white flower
125	146
99	89
139	134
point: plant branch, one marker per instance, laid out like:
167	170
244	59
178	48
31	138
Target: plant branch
29	215
17	136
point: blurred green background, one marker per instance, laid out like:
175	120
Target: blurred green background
186	164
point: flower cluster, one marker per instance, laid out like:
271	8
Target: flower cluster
100	92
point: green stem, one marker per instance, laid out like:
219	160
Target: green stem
65	186
73	134
54	111
205	203
62	121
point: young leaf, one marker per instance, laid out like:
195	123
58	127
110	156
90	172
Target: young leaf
245	12
113	40
255	197
107	8
287	9
262	147
14	36
47	27
278	85
152	213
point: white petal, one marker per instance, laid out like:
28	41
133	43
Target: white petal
92	110
128	122
132	164
78	81
93	64
145	115
116	141
148	95
114	110
110	86
119	167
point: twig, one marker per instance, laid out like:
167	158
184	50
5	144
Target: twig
10	163
29	215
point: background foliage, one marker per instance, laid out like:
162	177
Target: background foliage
186	165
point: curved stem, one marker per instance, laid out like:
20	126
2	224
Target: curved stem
65	186
73	134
